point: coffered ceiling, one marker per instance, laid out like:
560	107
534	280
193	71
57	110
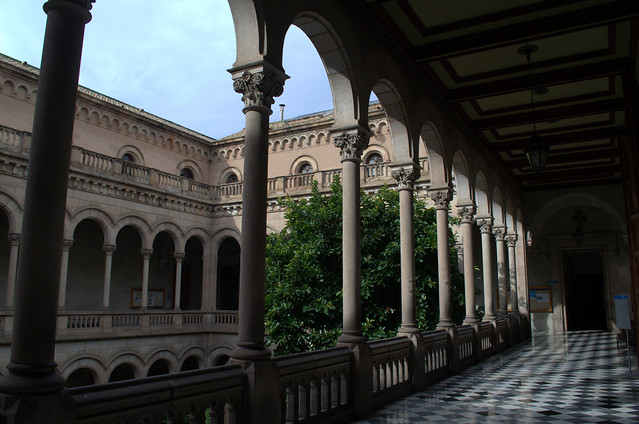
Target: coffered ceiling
585	59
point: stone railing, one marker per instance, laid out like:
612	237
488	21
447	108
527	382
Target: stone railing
14	140
391	374
74	324
485	333
315	385
465	346
436	352
327	386
201	396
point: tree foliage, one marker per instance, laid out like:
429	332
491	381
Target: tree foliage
304	271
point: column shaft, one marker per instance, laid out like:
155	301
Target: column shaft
32	365
442	199
511	241
146	256
14	240
487	269
469	266
64	273
177	297
502	274
108	261
407	259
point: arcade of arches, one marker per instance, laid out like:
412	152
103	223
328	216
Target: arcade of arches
145	251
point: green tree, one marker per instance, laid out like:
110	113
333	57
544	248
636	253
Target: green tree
304	270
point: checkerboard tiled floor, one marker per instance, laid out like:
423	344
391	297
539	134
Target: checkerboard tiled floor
578	377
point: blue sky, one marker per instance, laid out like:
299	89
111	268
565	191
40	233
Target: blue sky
169	58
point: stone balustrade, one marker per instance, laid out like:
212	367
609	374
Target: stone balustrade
73	325
312	386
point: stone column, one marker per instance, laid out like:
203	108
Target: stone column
258	88
442	198
351	145
467	213
485	225
502	274
108	260
405	177
146	255
64	273
14	242
179	257
511	242
32	368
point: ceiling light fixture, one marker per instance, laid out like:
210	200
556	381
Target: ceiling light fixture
537	151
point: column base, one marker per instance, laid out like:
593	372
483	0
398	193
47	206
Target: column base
445	325
408	330
489	317
470	321
350	339
31	379
251	352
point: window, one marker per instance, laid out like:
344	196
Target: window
187	173
374	158
305	168
128	157
231	178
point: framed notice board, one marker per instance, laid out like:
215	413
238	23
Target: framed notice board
155	298
540	299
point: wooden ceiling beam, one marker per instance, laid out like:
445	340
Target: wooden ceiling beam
602	14
567	138
546	79
549	114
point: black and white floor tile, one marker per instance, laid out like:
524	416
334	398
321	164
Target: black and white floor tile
578	377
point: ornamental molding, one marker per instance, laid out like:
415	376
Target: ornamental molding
441	197
467	213
258	88
405	177
351	145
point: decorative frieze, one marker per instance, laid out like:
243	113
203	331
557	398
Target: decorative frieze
258	88
351	145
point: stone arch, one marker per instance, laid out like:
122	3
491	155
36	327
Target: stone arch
499	212
100	217
346	104
173	230
189	164
86	362
139	224
192	352
130	358
13	211
387	93
162	355
439	171
224	177
129	149
482	196
303	159
463	185
216	353
510	217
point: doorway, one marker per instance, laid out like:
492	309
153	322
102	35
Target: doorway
585	295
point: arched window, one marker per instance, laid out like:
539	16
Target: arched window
305	168
128	157
231	178
374	158
122	372
187	173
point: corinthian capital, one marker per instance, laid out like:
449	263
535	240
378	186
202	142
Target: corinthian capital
511	239
258	88
485	225
351	145
405	177
499	232
441	197
467	213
